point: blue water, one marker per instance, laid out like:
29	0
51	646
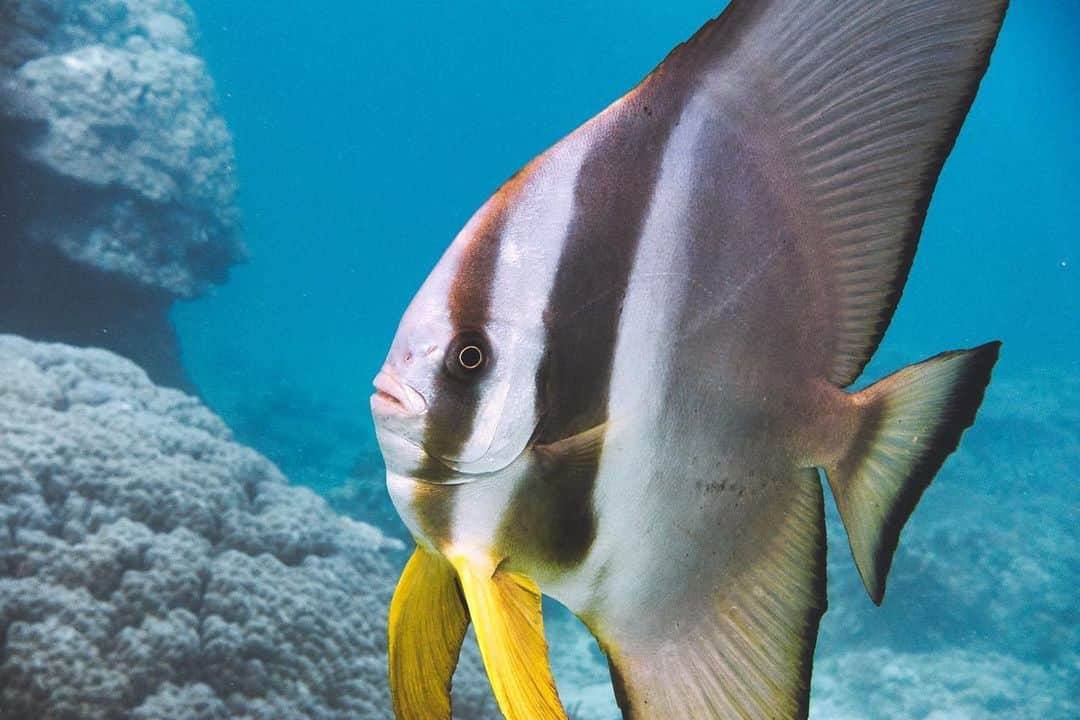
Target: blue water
367	133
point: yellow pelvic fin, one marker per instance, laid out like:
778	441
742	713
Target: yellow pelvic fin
428	621
505	609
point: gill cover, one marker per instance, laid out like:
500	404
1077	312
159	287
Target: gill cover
511	408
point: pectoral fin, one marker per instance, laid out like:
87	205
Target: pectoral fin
505	609
428	621
580	449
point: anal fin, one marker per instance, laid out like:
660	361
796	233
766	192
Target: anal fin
746	650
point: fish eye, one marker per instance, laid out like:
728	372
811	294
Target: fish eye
468	355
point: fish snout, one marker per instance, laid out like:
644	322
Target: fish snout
395	398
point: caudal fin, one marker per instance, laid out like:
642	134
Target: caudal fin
910	422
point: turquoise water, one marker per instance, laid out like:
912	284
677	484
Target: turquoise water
367	134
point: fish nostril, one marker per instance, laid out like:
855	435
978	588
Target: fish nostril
430	349
408	358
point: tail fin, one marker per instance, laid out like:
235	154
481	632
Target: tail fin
910	422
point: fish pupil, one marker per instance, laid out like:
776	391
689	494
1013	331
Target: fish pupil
471	357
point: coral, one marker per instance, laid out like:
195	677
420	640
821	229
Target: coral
117	112
152	567
938	686
117	177
363	494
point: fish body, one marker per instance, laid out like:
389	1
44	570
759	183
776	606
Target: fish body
619	383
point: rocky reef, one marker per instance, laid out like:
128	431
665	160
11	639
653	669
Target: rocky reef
151	567
117	177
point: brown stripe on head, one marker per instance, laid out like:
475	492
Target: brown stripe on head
552	519
447	429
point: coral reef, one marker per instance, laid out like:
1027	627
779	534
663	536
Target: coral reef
278	418
151	567
363	495
937	686
117	178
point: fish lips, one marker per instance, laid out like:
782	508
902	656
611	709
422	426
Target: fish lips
395	399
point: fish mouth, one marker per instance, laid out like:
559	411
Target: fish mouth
392	397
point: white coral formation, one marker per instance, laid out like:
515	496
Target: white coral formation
151	567
117	154
940	685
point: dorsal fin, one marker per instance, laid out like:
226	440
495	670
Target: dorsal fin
855	105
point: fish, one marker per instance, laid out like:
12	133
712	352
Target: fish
621	383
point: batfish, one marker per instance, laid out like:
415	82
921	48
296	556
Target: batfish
621	382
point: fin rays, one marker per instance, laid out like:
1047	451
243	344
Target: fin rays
862	112
505	608
910	421
747	653
871	154
427	625
428	621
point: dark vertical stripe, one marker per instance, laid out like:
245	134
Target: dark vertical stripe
456	402
552	519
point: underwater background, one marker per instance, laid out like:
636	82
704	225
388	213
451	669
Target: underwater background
367	133
350	142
